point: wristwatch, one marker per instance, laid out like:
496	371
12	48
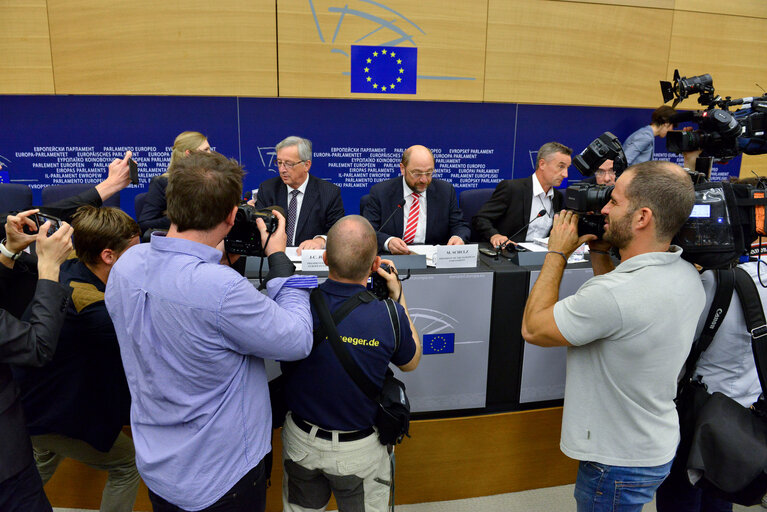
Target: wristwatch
8	254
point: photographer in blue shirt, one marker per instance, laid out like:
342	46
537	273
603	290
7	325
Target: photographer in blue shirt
193	336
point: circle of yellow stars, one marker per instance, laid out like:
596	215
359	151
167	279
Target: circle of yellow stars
383	53
441	347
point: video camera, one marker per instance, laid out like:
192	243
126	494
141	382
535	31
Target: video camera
244	237
587	199
721	134
724	221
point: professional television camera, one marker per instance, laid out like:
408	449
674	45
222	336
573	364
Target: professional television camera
721	134
587	199
725	219
244	237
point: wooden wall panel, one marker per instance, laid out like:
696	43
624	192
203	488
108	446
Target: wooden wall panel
449	35
654	4
25	65
748	8
225	48
729	48
445	459
575	53
755	163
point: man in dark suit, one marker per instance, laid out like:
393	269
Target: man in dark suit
312	205
432	218
532	200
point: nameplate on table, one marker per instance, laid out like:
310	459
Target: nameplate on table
311	261
456	256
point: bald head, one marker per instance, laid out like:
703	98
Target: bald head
351	248
664	188
419	151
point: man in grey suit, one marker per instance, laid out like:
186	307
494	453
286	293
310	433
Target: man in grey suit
312	205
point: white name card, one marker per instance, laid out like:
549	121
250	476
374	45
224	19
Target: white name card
456	256
311	260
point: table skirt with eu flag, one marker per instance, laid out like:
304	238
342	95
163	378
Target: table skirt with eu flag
474	358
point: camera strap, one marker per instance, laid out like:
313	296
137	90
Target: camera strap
725	283
753	312
328	327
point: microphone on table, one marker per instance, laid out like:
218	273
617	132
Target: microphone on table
507	242
396	208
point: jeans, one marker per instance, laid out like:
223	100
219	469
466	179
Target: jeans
603	488
247	495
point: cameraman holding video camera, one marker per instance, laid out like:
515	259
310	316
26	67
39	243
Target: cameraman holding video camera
193	336
628	331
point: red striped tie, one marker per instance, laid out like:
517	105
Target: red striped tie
412	220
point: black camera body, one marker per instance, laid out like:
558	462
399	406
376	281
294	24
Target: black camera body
377	284
244	237
721	134
605	147
587	200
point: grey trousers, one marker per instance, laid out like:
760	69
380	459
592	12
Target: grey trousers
122	483
358	473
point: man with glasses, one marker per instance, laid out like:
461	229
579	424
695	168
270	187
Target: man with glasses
433	219
522	209
311	205
604	175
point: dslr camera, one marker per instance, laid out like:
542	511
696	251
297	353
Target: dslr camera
244	238
377	284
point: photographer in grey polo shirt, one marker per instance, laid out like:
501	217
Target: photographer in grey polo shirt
628	331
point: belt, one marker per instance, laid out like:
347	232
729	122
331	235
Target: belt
328	435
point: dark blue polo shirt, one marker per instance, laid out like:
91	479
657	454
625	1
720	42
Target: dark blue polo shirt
318	388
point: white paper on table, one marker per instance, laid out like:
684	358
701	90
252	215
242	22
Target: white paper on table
292	254
426	250
532	246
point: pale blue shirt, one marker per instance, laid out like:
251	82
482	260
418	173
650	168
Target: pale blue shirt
640	146
193	335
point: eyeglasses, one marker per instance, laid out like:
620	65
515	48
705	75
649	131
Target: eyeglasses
288	165
602	172
425	174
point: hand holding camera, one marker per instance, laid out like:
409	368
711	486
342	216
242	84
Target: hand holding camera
16	238
277	238
52	250
564	233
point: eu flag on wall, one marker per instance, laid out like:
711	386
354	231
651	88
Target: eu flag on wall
384	69
4	177
439	343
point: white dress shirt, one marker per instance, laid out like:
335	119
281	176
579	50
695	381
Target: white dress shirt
539	228
420	230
